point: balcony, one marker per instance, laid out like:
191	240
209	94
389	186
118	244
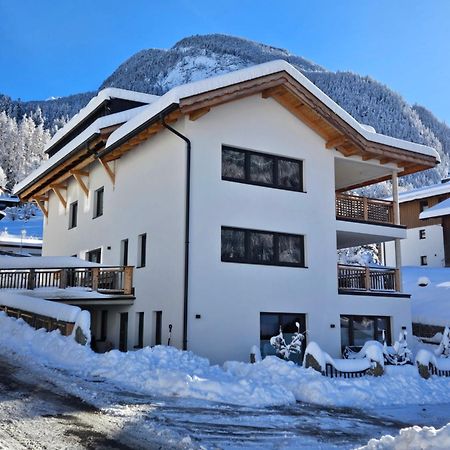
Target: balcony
105	280
366	280
364	209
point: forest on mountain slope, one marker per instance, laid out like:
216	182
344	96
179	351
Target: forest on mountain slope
25	127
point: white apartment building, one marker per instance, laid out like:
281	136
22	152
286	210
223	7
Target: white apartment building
227	197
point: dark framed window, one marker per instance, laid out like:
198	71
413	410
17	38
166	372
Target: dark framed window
356	330
262	247
124	252
423	260
140	330
422	234
98	202
142	250
270	324
158	327
104	325
423	205
250	167
73	215
94	255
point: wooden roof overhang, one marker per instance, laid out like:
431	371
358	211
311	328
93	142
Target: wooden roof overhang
301	102
283	88
70	165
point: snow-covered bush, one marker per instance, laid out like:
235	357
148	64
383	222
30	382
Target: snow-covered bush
399	354
444	347
285	350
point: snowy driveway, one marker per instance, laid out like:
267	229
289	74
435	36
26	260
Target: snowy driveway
40	408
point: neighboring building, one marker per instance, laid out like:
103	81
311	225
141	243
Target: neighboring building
23	245
227	197
428	227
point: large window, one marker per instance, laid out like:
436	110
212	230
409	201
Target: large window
262	247
356	330
270	324
98	202
262	169
73	215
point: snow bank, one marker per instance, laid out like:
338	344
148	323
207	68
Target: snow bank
58	311
426	438
430	304
168	371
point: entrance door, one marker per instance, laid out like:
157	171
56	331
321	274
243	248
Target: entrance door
123	332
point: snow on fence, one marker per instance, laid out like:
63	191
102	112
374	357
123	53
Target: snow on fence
39	313
370	363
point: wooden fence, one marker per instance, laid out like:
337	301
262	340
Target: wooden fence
38	321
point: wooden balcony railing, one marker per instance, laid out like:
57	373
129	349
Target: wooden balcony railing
358	278
364	208
107	280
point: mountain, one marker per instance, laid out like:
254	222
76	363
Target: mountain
155	71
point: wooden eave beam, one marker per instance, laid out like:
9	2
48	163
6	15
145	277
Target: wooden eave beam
336	141
78	174
194	115
111	173
56	188
41	205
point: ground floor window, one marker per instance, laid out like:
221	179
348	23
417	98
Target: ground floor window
270	324
356	330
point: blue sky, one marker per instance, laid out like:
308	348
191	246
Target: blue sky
50	48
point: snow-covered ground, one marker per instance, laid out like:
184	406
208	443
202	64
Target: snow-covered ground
167	371
430	294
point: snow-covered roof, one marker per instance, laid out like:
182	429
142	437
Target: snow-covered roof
94	103
92	130
439	210
12	239
430	304
175	95
44	262
423	192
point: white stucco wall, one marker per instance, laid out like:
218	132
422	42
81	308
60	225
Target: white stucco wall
147	198
413	247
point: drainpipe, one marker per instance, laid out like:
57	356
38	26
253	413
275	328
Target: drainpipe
186	228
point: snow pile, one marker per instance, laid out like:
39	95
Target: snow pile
425	358
168	371
430	304
426	438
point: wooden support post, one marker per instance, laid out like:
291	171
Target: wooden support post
398	250
396	204
111	173
78	174
31	279
57	190
95	276
366	208
367	278
63	278
128	280
41	206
